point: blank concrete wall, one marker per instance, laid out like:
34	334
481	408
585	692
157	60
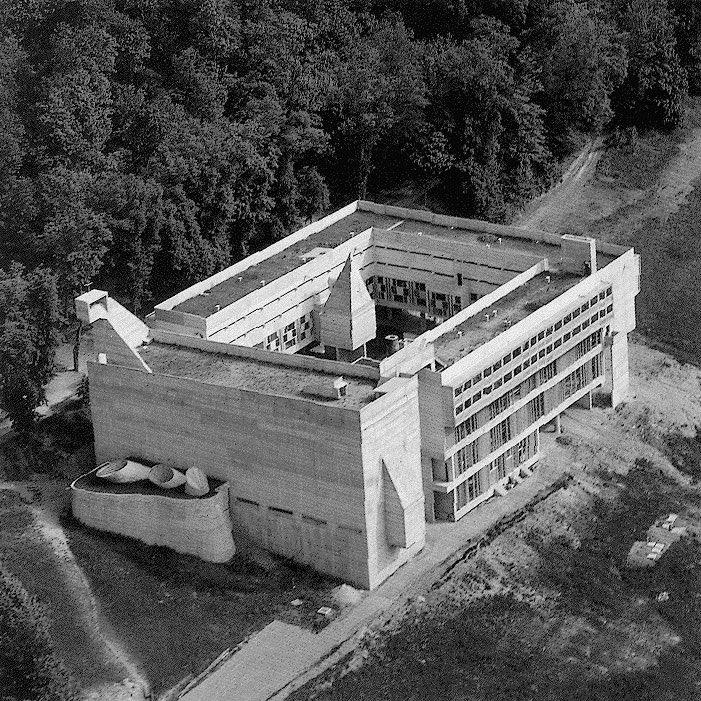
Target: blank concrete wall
433	431
295	456
198	527
391	433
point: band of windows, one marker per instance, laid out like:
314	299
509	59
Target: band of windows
516	352
413	293
535	409
290	335
527	362
498	469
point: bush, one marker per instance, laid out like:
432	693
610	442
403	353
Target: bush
29	666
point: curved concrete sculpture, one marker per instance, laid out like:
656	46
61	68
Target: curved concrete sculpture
166	477
200	527
197	484
123	471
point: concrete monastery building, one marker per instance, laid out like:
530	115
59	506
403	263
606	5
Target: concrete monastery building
378	369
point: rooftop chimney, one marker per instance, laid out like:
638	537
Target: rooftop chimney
340	385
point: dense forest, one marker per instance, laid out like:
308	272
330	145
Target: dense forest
146	144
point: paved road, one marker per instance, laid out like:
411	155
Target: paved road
282	657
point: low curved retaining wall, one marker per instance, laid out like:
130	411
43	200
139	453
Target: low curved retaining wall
200	527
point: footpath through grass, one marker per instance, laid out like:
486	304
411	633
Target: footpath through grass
29	556
174	614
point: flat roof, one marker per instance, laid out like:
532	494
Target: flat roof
243	373
231	289
516	306
479	238
287	260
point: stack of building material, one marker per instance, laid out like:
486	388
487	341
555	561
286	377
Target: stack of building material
660	536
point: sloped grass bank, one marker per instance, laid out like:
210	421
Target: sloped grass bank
173	613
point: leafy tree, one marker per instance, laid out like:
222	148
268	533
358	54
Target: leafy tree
688	34
486	122
381	93
313	193
652	96
75	237
134	216
454	18
582	60
288	81
215	179
16	190
12	135
199	84
28	340
75	113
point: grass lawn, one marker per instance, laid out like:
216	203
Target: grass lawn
29	555
637	164
668	308
173	613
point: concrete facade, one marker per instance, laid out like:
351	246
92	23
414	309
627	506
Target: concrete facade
293	376
198	527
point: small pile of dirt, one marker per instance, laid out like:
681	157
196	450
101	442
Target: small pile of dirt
346	595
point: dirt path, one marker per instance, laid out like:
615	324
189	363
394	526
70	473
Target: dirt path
135	686
630	209
588	201
45	512
551	211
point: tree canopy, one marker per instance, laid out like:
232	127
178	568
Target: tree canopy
28	340
145	145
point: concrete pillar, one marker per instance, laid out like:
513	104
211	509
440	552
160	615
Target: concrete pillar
584	402
620	379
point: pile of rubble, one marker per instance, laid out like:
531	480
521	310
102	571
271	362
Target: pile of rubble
660	536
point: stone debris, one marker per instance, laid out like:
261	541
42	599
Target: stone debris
346	595
660	536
